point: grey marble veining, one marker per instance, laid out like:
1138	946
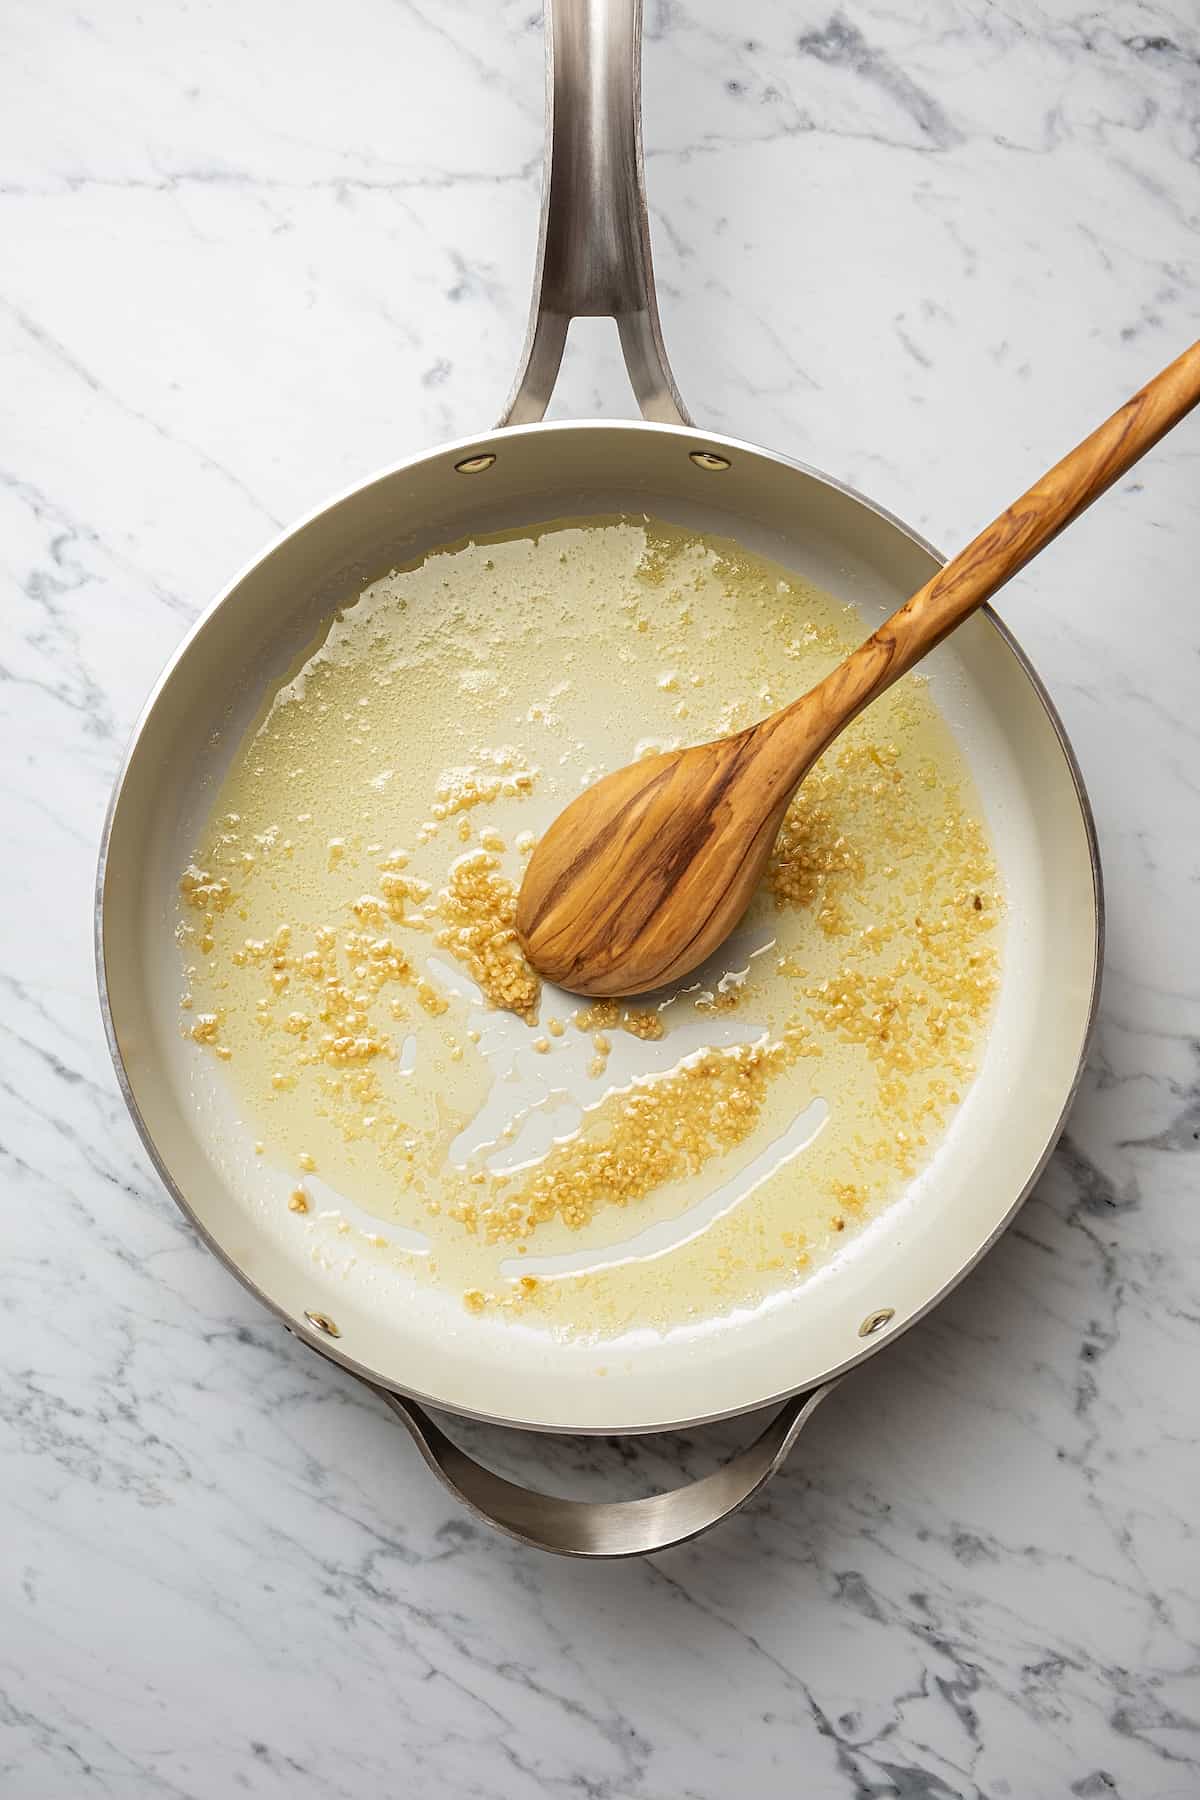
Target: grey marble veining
250	253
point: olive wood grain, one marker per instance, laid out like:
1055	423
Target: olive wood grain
646	872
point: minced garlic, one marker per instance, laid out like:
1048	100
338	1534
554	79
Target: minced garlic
479	907
661	1131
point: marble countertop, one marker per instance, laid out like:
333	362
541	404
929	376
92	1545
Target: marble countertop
252	253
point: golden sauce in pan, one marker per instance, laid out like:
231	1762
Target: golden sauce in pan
415	1091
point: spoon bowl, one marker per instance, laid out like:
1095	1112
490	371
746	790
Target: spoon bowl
647	872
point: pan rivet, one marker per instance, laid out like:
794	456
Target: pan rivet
706	459
876	1321
474	465
323	1323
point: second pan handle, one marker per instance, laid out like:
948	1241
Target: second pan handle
593	256
607	1528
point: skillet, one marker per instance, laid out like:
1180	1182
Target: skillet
594	260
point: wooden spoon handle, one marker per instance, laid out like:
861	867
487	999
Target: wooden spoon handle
1000	550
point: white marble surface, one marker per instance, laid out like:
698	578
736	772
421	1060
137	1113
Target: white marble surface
250	252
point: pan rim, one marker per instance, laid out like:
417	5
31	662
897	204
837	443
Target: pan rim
479	444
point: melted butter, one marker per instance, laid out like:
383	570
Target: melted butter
596	1169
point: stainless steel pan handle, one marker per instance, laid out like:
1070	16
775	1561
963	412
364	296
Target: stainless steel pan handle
593	256
607	1528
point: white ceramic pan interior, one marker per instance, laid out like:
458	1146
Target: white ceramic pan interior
415	1340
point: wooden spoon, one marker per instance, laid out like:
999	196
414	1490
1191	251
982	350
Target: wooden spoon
641	878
